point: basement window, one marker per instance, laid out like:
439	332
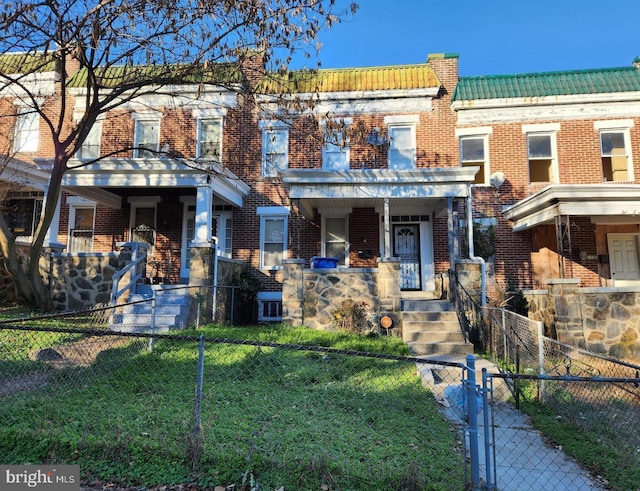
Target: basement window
269	306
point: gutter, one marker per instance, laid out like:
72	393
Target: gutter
472	256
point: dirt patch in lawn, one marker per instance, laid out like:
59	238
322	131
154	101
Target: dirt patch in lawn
82	353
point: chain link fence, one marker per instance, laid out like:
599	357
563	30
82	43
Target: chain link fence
136	408
586	405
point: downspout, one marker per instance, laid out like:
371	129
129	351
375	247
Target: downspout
472	256
214	293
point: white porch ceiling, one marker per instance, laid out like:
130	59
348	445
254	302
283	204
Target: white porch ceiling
426	189
603	203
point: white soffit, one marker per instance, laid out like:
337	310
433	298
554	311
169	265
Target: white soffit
615	202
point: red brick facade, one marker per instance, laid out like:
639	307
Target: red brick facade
522	259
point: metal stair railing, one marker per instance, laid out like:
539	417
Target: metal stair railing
135	269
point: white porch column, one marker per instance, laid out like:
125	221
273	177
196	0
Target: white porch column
51	237
203	218
387	230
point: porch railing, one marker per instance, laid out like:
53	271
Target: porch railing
469	312
135	270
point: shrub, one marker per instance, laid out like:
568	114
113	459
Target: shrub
356	317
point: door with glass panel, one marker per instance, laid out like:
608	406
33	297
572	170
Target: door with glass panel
406	247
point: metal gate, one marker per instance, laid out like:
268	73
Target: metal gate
406	246
507	453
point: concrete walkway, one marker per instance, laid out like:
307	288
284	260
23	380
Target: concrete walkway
523	460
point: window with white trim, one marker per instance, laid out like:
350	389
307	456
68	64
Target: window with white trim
269	306
401	131
335	148
275	149
209	139
90	148
402	146
474	151
334	237
146	139
542	157
27	130
22	214
615	149
273	236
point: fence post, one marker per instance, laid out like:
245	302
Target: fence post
489	437
504	337
199	304
472	420
153	319
541	359
196	445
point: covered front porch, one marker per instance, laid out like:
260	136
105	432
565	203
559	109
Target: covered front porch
164	203
589	232
391	231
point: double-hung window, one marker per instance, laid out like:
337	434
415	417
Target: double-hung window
273	236
275	149
27	130
146	139
22	215
90	149
615	150
474	145
402	141
335	233
541	152
335	150
210	139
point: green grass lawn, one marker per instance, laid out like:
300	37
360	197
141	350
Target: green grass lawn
597	429
298	418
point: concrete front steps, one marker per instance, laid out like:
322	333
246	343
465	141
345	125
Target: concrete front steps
437	376
171	310
431	327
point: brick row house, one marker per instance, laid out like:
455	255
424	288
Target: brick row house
382	174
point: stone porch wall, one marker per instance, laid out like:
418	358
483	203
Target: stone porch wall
601	320
84	281
310	296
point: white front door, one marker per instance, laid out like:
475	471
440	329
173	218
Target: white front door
406	246
188	230
623	259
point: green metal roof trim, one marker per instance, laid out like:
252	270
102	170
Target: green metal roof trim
11	63
394	77
577	82
218	73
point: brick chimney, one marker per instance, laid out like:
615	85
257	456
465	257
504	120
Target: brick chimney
252	65
446	67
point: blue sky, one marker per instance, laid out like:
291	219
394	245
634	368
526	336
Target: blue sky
491	37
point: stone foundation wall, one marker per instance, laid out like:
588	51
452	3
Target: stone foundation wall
310	296
83	281
601	320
